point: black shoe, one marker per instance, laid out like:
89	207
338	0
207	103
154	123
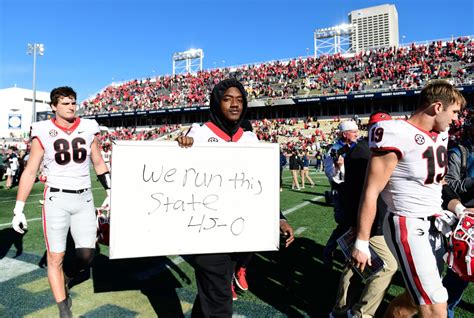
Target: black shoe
64	309
42	263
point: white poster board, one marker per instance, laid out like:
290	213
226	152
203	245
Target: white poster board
210	198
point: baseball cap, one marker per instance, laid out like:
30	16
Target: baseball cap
348	125
376	117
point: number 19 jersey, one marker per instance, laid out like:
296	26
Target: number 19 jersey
66	152
414	188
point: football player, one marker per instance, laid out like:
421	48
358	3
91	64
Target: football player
228	104
66	145
408	165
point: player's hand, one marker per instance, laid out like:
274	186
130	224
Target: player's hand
361	254
106	203
184	141
445	222
287	230
19	222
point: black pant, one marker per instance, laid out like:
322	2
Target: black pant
281	177
213	278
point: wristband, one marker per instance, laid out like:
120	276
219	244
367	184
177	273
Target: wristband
19	206
105	180
459	209
362	246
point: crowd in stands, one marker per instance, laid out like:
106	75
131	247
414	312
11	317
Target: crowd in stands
406	67
123	133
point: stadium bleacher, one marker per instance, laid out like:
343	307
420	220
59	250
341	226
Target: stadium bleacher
408	67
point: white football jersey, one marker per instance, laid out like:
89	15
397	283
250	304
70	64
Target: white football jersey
414	189
209	132
106	156
67	152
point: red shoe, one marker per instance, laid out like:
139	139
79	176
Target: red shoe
234	294
240	280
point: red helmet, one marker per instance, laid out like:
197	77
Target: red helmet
103	225
42	178
461	253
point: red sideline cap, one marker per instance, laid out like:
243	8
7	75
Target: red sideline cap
375	118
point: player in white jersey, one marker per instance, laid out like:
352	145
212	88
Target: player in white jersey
65	145
228	104
408	166
106	155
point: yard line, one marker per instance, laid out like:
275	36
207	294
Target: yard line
303	204
300	230
29	220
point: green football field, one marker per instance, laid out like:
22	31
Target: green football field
291	282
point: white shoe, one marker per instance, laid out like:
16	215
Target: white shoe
41	202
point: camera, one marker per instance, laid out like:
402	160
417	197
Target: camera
340	152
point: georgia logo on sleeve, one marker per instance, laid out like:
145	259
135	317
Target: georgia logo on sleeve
212	139
419	139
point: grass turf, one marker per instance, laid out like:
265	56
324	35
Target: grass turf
292	282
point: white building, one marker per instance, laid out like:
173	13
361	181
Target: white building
16	107
375	27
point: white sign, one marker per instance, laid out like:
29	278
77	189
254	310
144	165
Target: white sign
210	198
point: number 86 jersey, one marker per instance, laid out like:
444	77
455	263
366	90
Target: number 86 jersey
414	188
66	152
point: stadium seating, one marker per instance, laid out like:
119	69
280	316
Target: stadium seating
390	68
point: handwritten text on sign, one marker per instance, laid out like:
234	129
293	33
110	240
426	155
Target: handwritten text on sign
209	198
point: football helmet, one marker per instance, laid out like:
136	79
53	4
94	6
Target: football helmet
103	225
42	178
460	257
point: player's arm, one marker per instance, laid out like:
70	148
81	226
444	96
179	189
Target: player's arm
381	167
101	169
97	161
27	180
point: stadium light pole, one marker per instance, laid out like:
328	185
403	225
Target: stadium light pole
33	49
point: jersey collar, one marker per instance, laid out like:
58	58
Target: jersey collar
221	134
69	130
433	134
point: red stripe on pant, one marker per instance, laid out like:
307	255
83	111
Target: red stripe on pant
411	264
44	218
